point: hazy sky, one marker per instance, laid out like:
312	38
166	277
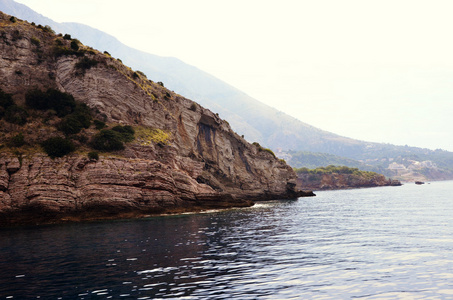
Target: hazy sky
373	70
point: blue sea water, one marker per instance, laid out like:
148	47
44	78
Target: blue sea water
378	243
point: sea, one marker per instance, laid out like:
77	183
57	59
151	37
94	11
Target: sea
374	243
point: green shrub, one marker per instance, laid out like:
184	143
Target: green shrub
13	19
160	83
141	73
61	50
107	140
16	115
49	29
6	100
37	99
260	148
70	124
83	113
62	103
99	124
269	151
35	41
57	146
126	132
67	37
17	140
80	118
74	45
93	155
85	64
82	138
193	107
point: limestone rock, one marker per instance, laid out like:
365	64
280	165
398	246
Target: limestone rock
202	164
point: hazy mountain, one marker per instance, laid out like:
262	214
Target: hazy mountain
255	120
247	116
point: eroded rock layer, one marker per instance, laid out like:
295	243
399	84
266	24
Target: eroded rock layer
200	162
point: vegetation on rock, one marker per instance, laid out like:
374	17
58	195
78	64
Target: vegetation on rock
331	169
16	115
108	140
58	146
5	100
126	132
62	103
85	64
80	118
17	140
260	149
146	136
93	155
340	177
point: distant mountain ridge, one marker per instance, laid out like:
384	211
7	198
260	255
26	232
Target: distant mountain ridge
246	115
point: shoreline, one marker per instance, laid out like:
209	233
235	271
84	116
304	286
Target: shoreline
27	217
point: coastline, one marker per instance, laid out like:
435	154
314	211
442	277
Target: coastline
27	217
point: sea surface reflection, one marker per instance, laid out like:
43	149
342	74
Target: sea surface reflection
380	243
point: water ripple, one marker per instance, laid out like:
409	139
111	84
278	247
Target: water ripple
385	243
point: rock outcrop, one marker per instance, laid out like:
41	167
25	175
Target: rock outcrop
201	163
337	181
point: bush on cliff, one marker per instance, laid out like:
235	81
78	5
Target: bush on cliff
75	45
107	140
261	148
17	141
57	146
85	64
99	124
126	132
93	155
16	115
6	100
62	103
80	118
70	124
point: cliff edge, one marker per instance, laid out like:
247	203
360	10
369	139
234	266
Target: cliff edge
183	157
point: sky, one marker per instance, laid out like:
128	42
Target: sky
379	71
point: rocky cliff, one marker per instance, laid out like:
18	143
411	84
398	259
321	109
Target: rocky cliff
183	159
337	181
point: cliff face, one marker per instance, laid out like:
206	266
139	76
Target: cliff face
337	181
202	163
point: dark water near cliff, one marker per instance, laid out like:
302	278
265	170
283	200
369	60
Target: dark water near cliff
380	243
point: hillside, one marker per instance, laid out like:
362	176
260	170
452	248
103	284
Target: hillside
247	116
84	136
333	178
414	164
